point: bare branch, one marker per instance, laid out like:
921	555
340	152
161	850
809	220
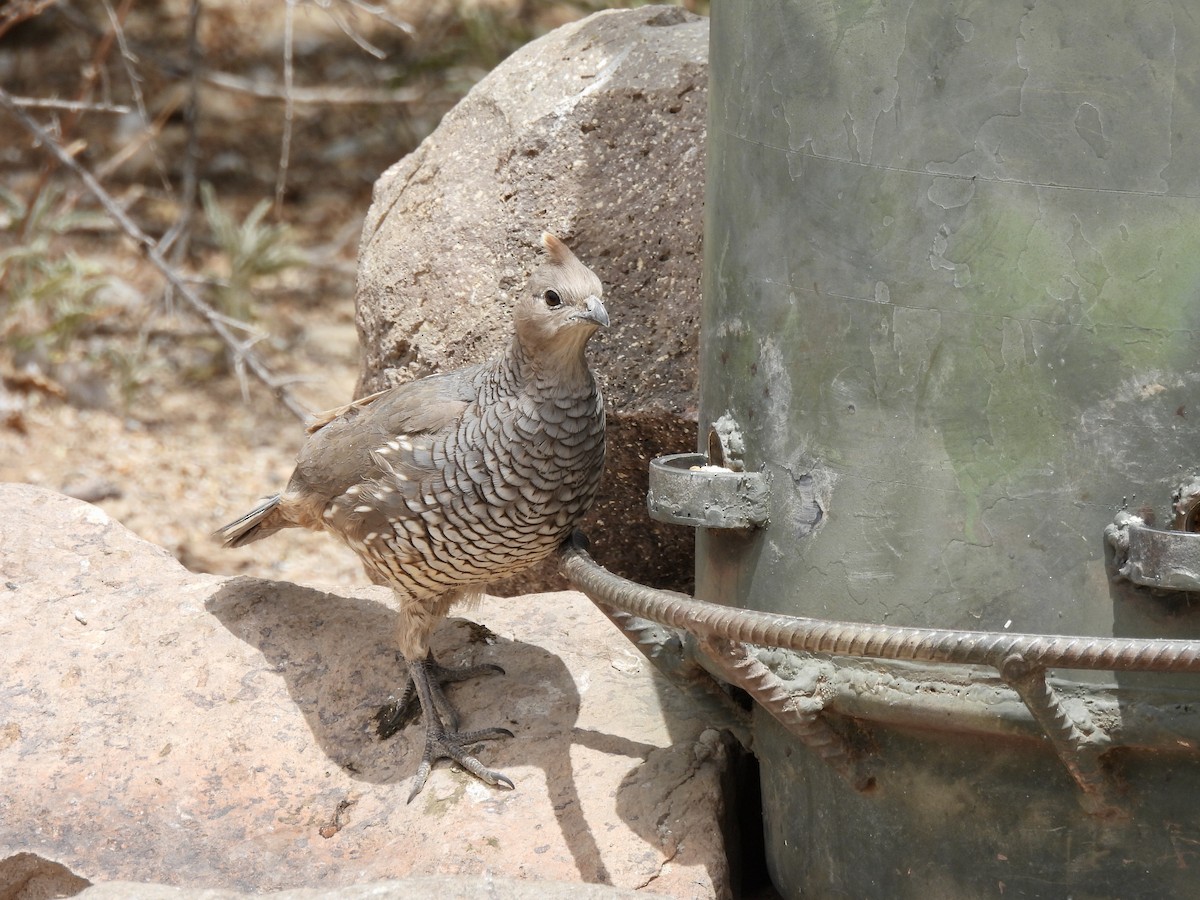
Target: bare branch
342	22
91	75
148	135
135	87
345	96
301	96
243	357
69	105
289	105
382	14
178	236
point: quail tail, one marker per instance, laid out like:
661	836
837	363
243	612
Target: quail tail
254	525
448	743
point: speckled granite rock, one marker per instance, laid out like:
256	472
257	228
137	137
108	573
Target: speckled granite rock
596	132
162	726
444	887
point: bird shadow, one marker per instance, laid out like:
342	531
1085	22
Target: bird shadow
338	661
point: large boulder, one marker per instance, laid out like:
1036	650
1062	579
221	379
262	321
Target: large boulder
162	726
595	132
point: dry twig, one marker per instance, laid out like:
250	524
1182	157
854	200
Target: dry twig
298	94
178	237
315	96
135	88
289	105
222	326
69	105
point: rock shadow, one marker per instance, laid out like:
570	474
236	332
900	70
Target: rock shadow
338	661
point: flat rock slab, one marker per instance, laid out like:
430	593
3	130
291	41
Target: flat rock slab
162	726
443	887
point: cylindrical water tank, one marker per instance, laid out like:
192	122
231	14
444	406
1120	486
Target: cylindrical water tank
952	304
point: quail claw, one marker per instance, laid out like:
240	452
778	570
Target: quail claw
425	678
440	744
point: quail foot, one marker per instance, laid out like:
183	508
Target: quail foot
447	483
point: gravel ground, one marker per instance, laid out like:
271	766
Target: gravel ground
189	455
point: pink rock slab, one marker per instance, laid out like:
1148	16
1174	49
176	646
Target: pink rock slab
158	725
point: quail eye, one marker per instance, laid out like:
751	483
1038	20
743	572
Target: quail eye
552	299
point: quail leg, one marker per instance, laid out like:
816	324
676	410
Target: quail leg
425	677
441	743
398	712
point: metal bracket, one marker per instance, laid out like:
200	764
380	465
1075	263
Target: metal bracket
709	491
686	490
1167	560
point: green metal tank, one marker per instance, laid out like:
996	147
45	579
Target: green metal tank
951	313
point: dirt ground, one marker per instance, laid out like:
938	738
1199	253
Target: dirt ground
190	455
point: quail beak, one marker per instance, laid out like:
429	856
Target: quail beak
593	311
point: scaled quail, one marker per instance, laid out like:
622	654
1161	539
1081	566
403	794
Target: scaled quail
444	484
